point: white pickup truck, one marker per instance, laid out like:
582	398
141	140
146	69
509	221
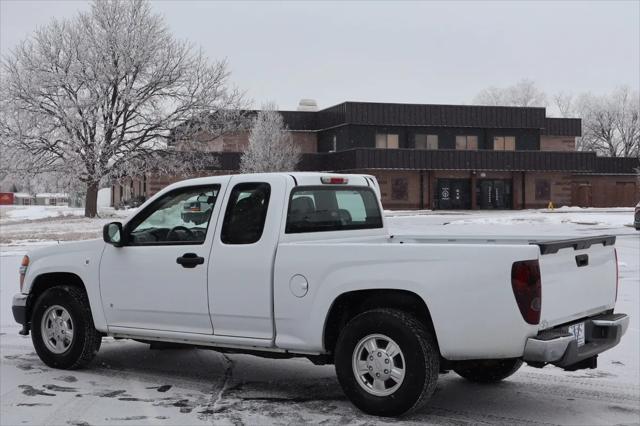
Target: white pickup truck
302	264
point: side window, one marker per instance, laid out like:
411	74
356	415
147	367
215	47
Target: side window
318	209
246	213
179	217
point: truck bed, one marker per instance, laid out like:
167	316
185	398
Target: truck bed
578	274
466	282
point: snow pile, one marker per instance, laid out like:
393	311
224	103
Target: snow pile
554	217
564	209
570	216
24	225
104	197
20	213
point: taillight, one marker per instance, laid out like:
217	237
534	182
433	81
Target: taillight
615	251
23	270
527	288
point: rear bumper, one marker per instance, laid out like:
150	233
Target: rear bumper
558	347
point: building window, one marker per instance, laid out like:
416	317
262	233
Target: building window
400	189
543	190
504	143
467	142
387	140
426	141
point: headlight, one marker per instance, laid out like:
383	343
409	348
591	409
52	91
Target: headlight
23	270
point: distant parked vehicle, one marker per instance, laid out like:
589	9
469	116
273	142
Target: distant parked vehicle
131	203
636	221
198	209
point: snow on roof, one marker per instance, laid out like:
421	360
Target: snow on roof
21	195
52	195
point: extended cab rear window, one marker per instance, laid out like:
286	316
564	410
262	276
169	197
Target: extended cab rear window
246	213
322	208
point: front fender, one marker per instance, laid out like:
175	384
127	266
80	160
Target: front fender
79	258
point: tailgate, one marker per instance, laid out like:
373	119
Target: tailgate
578	278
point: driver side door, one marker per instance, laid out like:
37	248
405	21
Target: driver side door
158	279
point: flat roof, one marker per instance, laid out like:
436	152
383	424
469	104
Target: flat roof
431	115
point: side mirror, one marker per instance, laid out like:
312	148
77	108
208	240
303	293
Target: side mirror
112	234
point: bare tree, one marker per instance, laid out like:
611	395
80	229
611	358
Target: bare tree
524	93
628	121
564	104
97	97
610	123
271	148
492	96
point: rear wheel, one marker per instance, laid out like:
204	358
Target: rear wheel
387	362
488	371
62	331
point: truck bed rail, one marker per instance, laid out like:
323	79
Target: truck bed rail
550	247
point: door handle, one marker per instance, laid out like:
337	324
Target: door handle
190	260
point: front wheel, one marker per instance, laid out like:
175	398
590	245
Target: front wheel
488	371
62	328
387	362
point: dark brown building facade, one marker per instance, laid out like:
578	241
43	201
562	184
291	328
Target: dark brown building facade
444	157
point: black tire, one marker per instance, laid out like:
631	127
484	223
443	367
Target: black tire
86	339
489	371
420	352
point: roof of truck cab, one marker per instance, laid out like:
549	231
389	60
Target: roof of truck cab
300	178
313	178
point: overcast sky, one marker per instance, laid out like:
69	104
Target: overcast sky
414	52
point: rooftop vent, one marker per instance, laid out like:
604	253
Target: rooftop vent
307	105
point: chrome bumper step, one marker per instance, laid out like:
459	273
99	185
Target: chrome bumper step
559	347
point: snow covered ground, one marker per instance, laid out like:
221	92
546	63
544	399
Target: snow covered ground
21	225
130	384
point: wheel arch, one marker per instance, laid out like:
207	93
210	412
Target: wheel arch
349	304
48	280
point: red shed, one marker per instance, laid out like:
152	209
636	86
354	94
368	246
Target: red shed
6	198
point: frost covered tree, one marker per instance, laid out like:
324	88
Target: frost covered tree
524	93
610	123
271	148
564	104
99	97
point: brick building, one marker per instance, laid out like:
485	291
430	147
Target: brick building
444	156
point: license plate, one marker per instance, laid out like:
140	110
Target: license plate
578	332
